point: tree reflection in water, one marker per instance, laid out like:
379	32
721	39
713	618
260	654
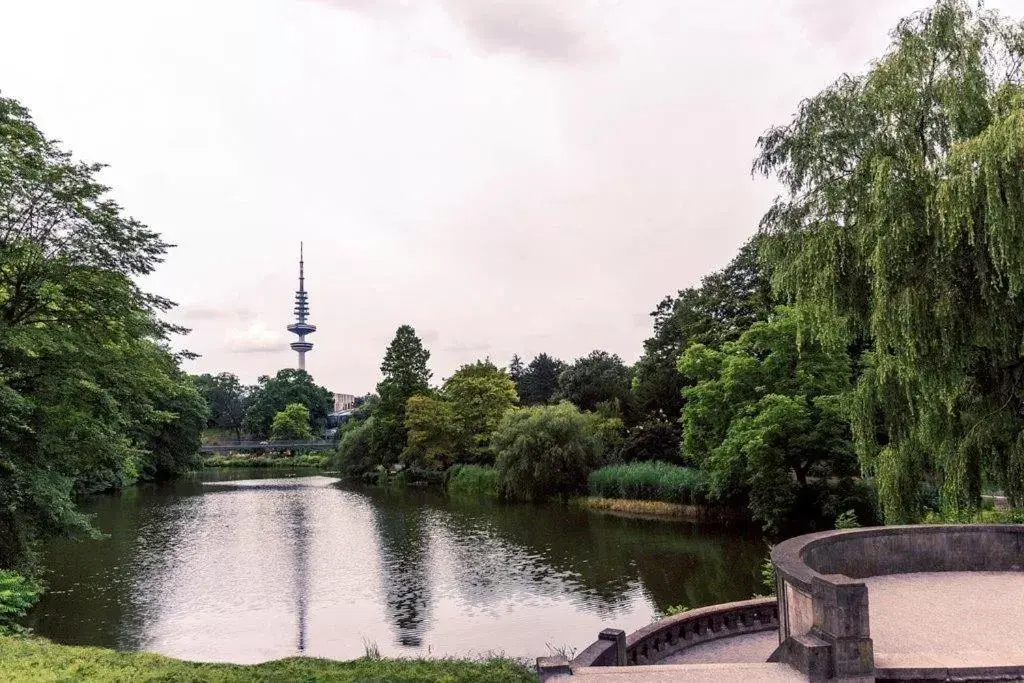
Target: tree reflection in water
404	550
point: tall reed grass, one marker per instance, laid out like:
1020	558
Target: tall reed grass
472	480
650	481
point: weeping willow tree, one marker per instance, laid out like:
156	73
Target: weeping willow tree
901	226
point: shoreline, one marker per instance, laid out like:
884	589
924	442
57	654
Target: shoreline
37	659
656	509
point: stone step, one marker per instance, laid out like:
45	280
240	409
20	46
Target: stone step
683	673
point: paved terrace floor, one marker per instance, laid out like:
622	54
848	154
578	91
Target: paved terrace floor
917	620
752	647
947	619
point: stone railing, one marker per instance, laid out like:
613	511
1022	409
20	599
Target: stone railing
671	635
824	624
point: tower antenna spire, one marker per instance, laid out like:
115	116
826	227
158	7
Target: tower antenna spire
300	327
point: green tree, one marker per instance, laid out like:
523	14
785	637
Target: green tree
90	396
273	394
516	368
765	415
456	424
292	424
726	303
405	375
597	378
228	399
173	439
539	381
545	451
900	226
354	457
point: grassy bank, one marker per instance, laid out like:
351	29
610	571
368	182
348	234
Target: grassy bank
35	659
305	460
650	481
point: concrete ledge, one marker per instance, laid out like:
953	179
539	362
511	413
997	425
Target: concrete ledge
956	673
661	639
879	551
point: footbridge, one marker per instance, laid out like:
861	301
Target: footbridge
267	447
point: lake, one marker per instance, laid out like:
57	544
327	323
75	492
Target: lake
249	565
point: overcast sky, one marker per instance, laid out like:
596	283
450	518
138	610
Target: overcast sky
507	176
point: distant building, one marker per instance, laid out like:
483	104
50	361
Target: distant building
343	402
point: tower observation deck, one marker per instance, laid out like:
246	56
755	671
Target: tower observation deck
300	327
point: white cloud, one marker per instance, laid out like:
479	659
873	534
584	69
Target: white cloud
256	338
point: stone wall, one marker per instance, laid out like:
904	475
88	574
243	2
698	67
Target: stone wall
824	625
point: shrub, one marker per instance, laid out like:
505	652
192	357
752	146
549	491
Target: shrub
472	480
545	451
303	460
291	424
354	457
17	594
650	481
847	520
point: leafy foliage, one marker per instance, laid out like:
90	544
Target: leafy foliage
599	377
273	394
847	520
405	375
765	415
901	227
291	424
228	399
455	424
90	396
317	460
17	594
725	304
537	384
354	456
545	451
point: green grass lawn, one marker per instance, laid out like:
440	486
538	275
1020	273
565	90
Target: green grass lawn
35	659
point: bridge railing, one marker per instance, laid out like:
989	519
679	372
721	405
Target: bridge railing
267	446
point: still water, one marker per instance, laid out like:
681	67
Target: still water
247	565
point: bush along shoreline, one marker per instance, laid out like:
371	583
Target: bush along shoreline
312	460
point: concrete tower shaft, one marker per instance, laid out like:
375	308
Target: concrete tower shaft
300	327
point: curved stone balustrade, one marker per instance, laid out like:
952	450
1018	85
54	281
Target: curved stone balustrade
673	634
824	624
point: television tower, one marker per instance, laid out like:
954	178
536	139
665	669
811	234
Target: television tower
300	327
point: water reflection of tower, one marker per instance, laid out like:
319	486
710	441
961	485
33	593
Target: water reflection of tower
300	327
404	556
300	535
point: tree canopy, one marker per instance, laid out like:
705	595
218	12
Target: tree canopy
599	377
456	423
405	374
766	414
227	398
291	424
901	226
90	395
273	394
545	451
537	383
725	304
